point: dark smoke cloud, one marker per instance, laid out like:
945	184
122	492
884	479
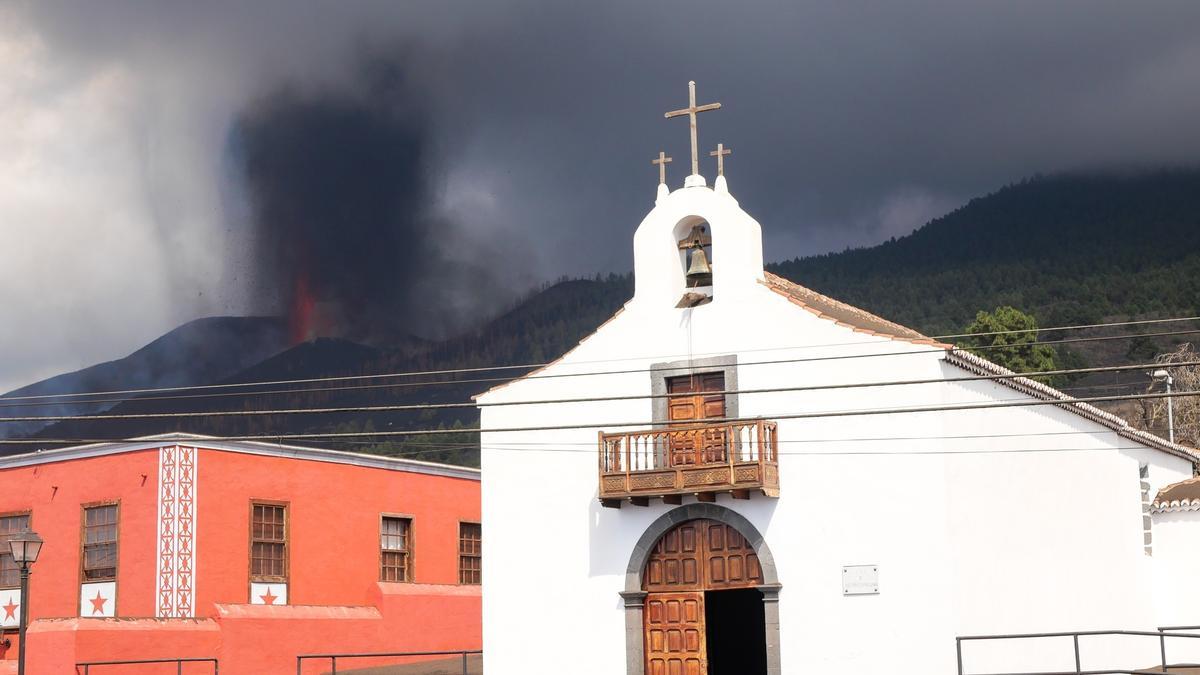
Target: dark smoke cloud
338	183
348	237
849	121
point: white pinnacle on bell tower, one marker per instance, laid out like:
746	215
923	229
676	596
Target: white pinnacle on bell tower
697	246
660	261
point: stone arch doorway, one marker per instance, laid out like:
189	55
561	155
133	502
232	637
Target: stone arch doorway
701	597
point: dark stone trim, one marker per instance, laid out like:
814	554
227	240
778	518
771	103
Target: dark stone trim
634	597
696	511
659	372
771	624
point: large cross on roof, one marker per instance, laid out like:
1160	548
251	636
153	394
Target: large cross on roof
691	111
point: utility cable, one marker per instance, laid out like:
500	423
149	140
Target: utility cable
1068	402
558	401
456	371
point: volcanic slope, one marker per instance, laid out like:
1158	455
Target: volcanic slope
1070	249
197	352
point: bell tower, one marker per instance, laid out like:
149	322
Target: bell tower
697	246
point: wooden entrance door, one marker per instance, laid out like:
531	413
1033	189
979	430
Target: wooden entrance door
691	558
701	555
694	398
675	634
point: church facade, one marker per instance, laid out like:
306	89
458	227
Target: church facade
738	475
253	553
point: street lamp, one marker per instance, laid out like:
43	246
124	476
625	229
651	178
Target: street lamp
1165	375
25	547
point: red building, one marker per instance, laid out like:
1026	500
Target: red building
252	553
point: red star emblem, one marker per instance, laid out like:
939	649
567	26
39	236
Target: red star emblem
267	598
10	609
98	603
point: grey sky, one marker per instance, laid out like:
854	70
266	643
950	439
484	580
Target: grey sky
850	122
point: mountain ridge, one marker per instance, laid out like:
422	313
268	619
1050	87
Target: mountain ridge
193	353
1071	249
1044	244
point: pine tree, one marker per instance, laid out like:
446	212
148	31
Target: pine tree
1008	337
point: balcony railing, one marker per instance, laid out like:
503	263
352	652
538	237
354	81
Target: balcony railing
701	459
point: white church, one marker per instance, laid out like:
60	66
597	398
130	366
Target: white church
764	480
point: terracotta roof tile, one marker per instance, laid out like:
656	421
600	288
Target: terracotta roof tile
981	366
862	321
841	313
1181	496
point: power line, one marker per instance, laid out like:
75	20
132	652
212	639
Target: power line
836	453
641	423
823	453
268	392
360	387
456	371
558	445
1094	387
558	449
558	401
1075	327
591	445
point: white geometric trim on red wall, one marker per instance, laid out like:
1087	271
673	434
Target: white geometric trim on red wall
175	590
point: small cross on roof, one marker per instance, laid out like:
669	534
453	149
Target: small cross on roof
720	153
662	162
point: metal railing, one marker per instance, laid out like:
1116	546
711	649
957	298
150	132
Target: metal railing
1162	634
216	666
333	658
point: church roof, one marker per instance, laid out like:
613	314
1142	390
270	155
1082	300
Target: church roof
1035	389
240	446
862	321
1181	496
841	313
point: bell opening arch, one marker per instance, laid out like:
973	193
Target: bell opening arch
634	597
693	237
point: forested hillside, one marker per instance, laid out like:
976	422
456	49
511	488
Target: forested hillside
538	328
1067	249
1070	249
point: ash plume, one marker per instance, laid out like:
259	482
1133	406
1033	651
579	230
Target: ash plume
343	228
847	126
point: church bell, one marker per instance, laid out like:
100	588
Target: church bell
699	271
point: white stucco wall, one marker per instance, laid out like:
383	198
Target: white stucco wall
975	529
1177	561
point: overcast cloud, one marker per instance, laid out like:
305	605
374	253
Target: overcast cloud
122	215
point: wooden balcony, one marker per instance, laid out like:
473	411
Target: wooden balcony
702	459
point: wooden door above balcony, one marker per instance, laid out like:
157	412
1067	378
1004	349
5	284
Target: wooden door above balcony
737	457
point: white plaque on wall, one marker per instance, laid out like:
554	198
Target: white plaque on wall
98	599
10	602
268	593
860	580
